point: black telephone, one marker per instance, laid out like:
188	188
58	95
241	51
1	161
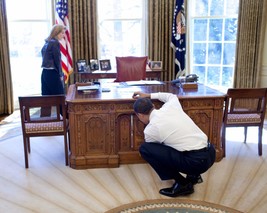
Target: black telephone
191	78
188	78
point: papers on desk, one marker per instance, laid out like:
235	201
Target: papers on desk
88	87
143	82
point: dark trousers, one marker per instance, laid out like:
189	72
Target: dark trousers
169	162
51	83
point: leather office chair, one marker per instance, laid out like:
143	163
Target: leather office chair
131	68
35	124
244	108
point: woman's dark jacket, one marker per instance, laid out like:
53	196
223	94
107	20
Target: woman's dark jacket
52	56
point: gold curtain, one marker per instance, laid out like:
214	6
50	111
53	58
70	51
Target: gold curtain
160	14
6	90
250	42
83	27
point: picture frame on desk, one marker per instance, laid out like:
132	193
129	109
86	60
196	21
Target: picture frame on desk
81	65
105	64
156	65
94	65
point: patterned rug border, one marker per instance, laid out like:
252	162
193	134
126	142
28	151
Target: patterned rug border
195	205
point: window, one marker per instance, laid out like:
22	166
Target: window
212	40
121	28
28	26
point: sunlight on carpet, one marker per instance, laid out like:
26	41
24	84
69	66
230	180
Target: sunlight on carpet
10	126
236	134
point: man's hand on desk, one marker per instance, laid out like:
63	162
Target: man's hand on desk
137	95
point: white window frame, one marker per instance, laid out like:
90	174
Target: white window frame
189	54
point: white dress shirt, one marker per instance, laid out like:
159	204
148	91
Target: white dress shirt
172	126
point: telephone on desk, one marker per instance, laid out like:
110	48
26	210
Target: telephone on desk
186	82
185	79
191	78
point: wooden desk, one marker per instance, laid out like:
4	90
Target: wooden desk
105	132
150	74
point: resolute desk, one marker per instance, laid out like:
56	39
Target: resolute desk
105	132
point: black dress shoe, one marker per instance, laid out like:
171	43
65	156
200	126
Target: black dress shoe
177	190
194	179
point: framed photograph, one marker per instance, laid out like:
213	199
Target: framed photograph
81	65
156	65
105	64
94	64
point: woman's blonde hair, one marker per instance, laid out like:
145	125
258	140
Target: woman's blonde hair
56	29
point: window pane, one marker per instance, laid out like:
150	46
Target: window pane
25	41
120	38
28	9
214	55
229	54
213	75
199	53
215	27
216	8
200	30
232	7
120	9
200	71
27	38
121	29
227	76
200	7
230	29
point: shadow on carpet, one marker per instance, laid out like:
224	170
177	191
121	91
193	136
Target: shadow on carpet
172	206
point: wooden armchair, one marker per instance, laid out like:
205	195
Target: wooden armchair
245	108
35	123
131	68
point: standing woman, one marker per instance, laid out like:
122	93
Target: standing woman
52	75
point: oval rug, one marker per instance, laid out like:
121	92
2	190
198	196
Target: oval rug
172	206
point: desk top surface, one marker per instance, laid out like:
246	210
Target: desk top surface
122	92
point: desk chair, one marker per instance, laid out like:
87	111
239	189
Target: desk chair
131	68
244	108
35	124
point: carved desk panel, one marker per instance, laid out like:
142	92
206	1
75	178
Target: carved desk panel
105	132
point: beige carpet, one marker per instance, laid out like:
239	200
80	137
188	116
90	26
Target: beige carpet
239	181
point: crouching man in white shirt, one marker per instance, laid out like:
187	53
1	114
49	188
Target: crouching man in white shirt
174	144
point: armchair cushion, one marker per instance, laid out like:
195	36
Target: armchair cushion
243	118
44	127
